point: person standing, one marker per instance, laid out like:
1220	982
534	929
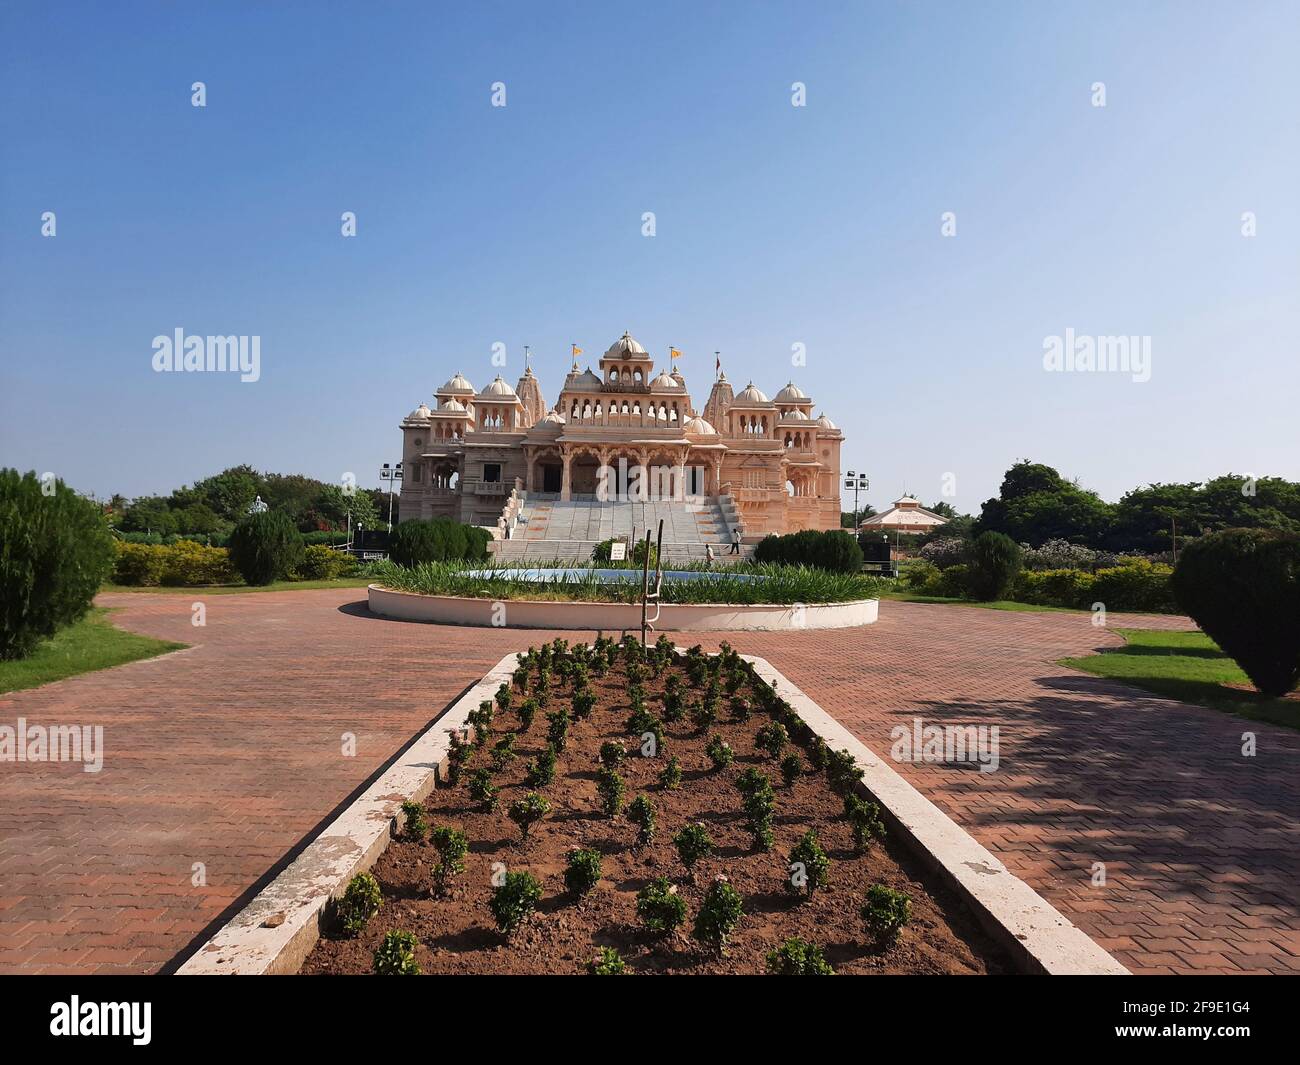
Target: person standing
735	541
708	554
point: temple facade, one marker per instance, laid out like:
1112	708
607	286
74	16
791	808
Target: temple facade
624	429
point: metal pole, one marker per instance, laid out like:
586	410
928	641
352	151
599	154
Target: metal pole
645	586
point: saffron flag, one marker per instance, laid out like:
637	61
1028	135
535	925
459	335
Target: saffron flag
673	353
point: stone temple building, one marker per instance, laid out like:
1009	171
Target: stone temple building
482	456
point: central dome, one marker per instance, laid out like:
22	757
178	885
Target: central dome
625	347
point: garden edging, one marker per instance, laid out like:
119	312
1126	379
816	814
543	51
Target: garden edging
278	928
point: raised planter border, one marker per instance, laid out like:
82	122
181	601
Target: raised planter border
276	931
618	617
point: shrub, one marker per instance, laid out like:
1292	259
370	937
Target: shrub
458	753
139	565
641	812
945	551
719	914
1055	587
527	711
416	825
557	732
452	846
541	770
610	787
480	719
265	547
612	754
583	871
320	563
797	957
1242	587
885	912
360	902
720	752
809	864
834	549
1135	584
482	790
994	563
740	710
396	955
607	963
55	552
791	768
659	907
441	540
503	752
758	803
864	820
186	563
771	739
514	900
584	702
671	776
692	843
527	811
842	772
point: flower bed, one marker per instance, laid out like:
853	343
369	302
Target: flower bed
657	761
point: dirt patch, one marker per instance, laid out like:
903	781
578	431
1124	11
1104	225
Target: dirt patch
456	933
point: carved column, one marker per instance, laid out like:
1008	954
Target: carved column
566	457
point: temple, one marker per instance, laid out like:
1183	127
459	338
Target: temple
769	465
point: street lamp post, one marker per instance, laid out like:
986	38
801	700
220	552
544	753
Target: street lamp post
392	476
859	483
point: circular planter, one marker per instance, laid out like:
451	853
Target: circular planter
570	614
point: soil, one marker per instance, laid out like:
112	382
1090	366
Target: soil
456	933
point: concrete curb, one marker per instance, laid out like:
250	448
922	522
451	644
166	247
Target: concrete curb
619	617
1037	935
276	931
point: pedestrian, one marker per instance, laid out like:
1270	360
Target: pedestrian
708	554
735	541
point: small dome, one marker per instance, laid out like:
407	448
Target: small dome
459	384
698	427
498	389
452	404
583	382
795	416
420	414
825	422
625	347
750	394
792	393
552	417
664	381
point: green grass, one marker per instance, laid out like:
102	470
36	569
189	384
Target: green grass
778	584
1187	666
997	604
239	589
90	644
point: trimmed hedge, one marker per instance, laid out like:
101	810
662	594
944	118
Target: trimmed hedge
994	561
1242	587
1136	585
830	549
439	540
266	547
55	551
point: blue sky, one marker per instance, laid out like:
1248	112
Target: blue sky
776	225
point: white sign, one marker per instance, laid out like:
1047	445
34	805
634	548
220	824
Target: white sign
618	552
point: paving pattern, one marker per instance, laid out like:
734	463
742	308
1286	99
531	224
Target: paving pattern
220	759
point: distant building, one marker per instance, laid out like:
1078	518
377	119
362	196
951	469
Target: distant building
779	465
905	516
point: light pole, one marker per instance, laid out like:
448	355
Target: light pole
392	476
859	483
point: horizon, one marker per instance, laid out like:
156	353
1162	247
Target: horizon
779	229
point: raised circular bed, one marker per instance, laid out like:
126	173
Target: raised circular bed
573	614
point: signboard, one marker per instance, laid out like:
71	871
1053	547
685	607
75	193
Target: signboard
618	552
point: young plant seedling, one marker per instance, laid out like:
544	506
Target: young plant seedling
360	902
885	912
583	871
659	908
527	811
452	846
396	955
719	914
514	900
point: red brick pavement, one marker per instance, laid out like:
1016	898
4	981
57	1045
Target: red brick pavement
229	754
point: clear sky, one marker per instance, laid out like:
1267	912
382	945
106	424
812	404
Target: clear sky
775	225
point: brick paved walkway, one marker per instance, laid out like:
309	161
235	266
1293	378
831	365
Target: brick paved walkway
228	754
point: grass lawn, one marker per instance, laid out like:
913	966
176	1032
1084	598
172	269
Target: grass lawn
1187	666
240	589
998	604
92	643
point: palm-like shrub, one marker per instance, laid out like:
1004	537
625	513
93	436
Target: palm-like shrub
1242	587
265	547
55	551
994	563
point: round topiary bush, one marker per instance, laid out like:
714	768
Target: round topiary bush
55	551
1242	587
265	547
994	563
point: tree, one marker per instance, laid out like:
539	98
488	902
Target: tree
265	547
331	507
1036	504
231	492
149	514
